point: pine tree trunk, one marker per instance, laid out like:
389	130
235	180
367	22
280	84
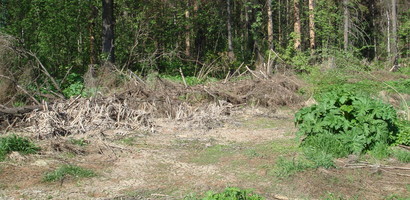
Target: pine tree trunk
187	35
229	27
346	24
270	24
297	26
108	29
394	56
312	25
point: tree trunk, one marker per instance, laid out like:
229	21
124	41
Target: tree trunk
346	24
229	27
312	25
270	24
108	22
388	34
394	53
297	26
187	35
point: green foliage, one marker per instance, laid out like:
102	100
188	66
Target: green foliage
16	143
231	193
403	137
68	170
355	122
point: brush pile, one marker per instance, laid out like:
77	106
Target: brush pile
138	104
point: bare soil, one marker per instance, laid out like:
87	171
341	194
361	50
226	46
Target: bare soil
175	161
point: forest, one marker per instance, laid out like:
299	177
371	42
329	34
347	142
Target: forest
205	99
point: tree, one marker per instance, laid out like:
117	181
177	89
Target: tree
297	26
270	24
229	28
346	26
394	33
108	22
312	25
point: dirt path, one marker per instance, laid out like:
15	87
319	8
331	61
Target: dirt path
178	160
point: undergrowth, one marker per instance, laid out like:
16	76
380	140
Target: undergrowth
68	170
343	123
12	143
231	193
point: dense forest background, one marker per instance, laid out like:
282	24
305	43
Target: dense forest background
66	39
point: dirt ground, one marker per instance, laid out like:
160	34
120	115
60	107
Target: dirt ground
177	160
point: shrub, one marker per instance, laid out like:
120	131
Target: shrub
68	170
16	143
343	123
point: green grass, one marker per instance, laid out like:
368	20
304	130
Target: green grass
16	143
79	142
230	193
287	167
402	155
129	141
68	170
212	154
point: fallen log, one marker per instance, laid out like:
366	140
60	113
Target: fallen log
19	110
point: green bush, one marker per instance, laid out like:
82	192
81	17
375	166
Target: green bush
68	170
16	143
344	123
231	193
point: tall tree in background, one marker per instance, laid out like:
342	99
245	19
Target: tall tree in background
394	33
108	29
270	24
346	24
187	31
229	27
312	36
297	26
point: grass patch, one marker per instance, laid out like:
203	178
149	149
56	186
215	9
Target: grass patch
231	193
287	167
16	143
130	141
260	123
402	155
212	154
79	142
68	170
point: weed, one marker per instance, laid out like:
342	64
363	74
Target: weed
380	151
319	158
402	155
128	141
352	121
79	142
16	143
287	167
231	193
68	170
403	137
